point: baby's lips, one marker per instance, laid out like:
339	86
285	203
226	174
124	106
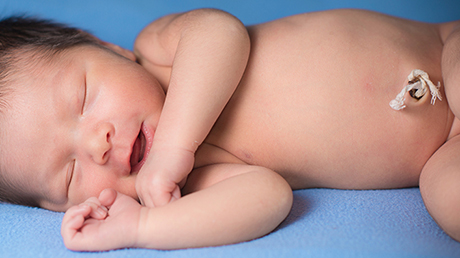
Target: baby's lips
136	152
146	137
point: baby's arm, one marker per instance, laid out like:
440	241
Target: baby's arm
247	205
207	52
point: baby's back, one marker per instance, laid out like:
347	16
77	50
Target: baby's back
313	104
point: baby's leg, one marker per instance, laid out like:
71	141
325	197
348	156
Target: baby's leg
451	69
440	187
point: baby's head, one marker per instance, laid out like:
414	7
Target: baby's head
75	116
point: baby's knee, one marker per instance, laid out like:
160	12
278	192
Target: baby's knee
278	194
441	194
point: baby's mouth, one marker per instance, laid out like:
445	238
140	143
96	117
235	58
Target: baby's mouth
137	155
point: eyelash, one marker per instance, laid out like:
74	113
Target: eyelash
84	99
70	172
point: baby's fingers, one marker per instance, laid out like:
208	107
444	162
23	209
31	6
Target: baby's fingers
142	189
107	197
146	200
76	212
98	211
73	221
160	198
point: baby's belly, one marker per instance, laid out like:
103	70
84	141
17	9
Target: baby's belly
358	144
366	145
345	137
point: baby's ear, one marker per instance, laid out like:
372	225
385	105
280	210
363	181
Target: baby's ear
119	50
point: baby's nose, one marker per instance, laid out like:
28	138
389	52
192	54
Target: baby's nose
99	143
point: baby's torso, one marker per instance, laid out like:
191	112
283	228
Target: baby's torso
313	104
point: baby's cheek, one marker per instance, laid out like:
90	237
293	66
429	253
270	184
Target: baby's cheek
88	189
94	185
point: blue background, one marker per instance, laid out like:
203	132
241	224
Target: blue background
119	21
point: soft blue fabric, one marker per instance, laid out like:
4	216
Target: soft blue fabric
323	222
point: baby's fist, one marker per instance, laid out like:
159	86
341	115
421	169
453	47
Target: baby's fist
104	223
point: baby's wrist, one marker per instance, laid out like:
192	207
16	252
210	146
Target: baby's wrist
141	237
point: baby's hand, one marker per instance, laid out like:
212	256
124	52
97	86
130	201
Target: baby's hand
164	173
104	223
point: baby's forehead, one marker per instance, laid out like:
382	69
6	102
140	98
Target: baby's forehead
35	58
33	67
29	64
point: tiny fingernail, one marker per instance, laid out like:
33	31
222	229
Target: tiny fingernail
101	210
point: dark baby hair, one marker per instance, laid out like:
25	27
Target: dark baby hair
22	40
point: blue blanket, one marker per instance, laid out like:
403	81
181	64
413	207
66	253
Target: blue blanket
323	222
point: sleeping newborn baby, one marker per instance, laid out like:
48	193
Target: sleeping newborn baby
208	126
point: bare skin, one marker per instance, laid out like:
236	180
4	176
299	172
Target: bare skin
329	86
311	110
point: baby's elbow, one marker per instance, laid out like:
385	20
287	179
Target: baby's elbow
215	17
223	22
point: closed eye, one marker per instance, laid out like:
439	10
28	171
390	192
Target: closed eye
69	176
84	97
